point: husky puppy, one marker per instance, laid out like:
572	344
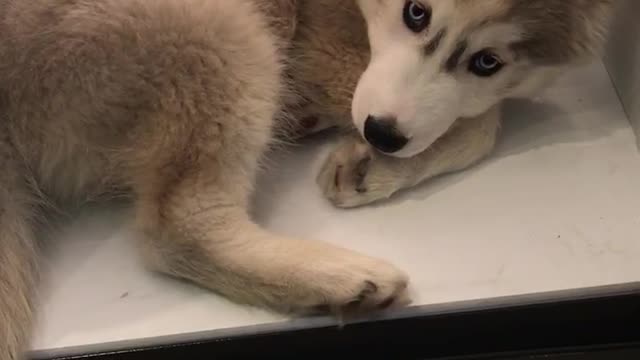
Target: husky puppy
175	102
429	99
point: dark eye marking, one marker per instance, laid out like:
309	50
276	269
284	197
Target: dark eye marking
433	45
453	60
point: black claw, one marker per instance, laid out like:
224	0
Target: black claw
387	303
362	168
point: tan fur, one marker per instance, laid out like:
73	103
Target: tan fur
18	253
174	102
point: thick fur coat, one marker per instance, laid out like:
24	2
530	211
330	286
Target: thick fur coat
175	102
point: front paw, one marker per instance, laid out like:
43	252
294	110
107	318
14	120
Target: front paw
358	285
355	175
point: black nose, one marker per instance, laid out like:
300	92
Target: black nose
382	134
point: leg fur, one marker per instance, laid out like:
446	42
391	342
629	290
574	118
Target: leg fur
356	175
193	214
18	259
174	99
193	167
192	210
200	231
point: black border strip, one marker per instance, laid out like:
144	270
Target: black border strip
598	317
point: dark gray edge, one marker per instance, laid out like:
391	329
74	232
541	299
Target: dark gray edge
320	322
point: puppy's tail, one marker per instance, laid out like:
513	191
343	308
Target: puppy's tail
18	264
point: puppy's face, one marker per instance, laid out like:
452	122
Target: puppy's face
435	61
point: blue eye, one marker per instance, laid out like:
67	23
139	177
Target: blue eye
485	64
416	16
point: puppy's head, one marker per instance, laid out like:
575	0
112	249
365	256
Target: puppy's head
435	61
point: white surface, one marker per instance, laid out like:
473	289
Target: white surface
556	207
623	58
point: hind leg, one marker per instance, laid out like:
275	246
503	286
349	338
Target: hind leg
192	154
18	258
199	230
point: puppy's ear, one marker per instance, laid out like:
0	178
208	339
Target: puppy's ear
282	15
562	31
